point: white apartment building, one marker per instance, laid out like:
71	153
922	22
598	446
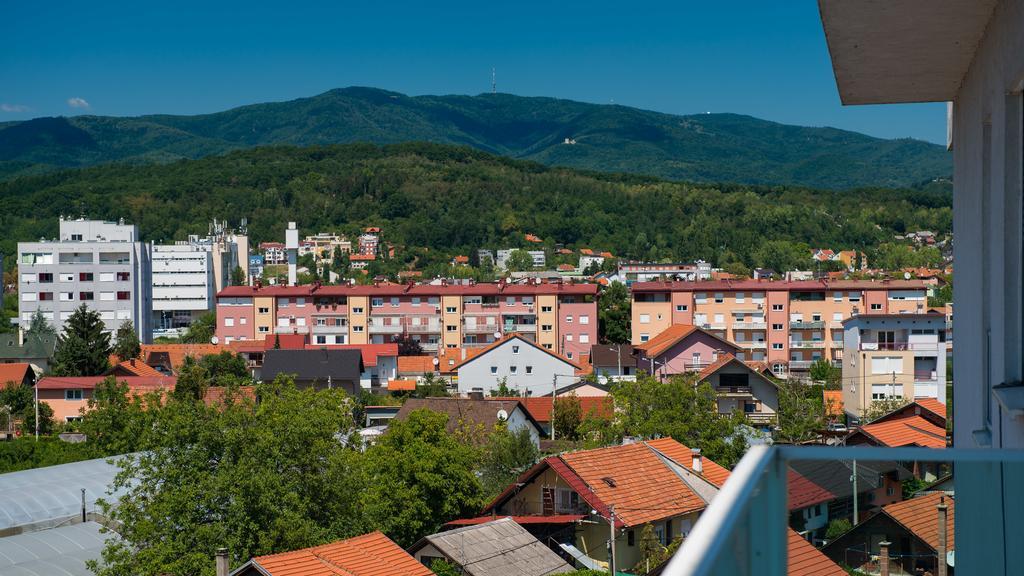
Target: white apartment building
538	256
100	264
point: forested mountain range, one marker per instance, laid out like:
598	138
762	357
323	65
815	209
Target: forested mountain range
441	200
610	138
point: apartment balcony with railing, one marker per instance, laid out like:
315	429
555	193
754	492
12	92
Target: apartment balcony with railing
903	346
807	344
806	325
291	329
752	325
330	329
745	529
378	326
478	328
752	344
800	364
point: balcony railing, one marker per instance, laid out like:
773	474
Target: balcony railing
385	328
292	329
801	325
756	345
925	375
805	344
481	328
713	326
744	529
749	325
330	329
800	364
902	346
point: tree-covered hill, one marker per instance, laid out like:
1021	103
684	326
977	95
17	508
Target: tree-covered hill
452	200
611	138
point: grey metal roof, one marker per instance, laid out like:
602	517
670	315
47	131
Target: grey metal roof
57	552
53	492
498	548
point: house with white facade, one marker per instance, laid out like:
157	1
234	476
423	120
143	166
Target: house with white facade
520	363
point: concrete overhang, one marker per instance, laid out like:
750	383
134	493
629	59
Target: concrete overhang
893	51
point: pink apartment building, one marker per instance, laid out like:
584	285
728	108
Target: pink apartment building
559	317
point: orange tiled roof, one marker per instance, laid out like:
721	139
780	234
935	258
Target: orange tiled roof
178	352
932	405
540	406
415	364
14	372
671	336
683	455
452	357
134	367
803	559
372	554
586	251
607	255
216	394
636	481
532	238
907	431
461	259
919	516
833	402
801	492
566	268
401	385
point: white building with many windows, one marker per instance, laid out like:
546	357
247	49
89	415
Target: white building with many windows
100	264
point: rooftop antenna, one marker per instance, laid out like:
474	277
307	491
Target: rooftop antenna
494	82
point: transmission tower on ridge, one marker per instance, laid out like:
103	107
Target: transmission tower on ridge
494	82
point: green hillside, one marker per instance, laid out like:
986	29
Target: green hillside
610	138
443	200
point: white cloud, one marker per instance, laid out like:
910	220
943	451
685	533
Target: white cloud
4	107
77	102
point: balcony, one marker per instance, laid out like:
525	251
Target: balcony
734	391
903	346
506	328
330	329
801	325
378	328
800	364
714	326
291	329
423	328
480	329
753	345
749	325
807	344
744	530
925	375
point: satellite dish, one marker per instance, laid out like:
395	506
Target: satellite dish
906	275
214	340
436	361
497	335
949	558
502	415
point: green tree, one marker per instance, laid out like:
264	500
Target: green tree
505	455
39	327
879	408
116	419
614	314
225	369
567	416
127	345
431	386
83	348
801	412
419	477
443	568
193	380
827	373
837	528
783	255
504	390
201	330
238	277
682	409
19	402
28	422
255	478
519	261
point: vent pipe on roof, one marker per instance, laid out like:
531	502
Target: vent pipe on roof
223	567
83	504
943	545
698	461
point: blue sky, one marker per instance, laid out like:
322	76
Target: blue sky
766	59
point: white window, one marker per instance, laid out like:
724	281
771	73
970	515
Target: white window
757	297
28	278
67	296
67	277
415	301
264	329
107	296
777	307
394	301
681	307
283	322
28	297
357	328
529	369
568	319
876	306
644	318
515	349
777	327
719	297
568	337
584	319
700	298
528	300
300	321
584	338
510	301
719	319
837	296
776	345
696	358
837	316
229	321
357	310
645	337
300	301
106	276
494	369
740	298
124	314
376	302
73	394
513	369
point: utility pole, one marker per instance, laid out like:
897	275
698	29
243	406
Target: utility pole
893	387
611	540
554	386
37	411
856	516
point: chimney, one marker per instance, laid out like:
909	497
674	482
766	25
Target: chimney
883	558
698	461
943	542
223	567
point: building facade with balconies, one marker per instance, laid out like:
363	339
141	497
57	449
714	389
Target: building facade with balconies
788	325
893	356
100	264
561	318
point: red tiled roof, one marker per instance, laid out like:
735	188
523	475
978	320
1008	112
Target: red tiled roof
416	364
671	336
362	257
907	431
461	259
532	238
802	492
684	456
540	406
14	372
760	285
484	289
508	337
607	255
401	385
566	267
372	554
586	251
920	516
932	405
284	341
522	520
216	394
451	357
90	382
803	559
